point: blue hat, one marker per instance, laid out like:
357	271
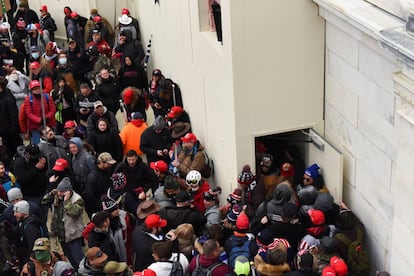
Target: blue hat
312	171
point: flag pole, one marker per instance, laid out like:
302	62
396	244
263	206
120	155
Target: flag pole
42	105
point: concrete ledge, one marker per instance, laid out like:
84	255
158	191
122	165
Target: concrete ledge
360	14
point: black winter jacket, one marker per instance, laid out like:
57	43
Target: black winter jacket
32	181
151	142
108	91
141	175
97	183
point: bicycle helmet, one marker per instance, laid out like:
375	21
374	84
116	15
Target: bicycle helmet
193	179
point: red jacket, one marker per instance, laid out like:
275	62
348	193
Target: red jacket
198	197
103	47
33	111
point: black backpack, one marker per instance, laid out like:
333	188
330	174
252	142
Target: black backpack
177	268
204	271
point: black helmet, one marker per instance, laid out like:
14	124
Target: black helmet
92	51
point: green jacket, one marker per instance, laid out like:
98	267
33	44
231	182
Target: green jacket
67	220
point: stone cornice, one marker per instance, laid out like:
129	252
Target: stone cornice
360	14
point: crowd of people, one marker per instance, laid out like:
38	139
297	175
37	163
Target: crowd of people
81	196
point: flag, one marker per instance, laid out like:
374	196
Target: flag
5	6
148	54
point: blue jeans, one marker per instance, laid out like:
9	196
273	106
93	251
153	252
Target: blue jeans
35	139
73	251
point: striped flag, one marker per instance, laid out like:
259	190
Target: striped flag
148	53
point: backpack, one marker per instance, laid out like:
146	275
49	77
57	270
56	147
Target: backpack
238	249
177	268
31	99
358	258
44	233
208	166
204	271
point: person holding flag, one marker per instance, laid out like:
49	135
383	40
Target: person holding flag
39	109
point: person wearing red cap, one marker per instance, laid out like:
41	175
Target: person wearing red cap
33	110
47	24
329	271
191	157
71	130
59	170
340	267
167	95
144	237
126	21
37	72
64	96
131	133
177	114
33	43
240	243
160	168
97	21
75	27
134	101
19	35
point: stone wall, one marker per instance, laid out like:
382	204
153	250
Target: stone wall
369	116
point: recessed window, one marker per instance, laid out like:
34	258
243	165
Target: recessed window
210	17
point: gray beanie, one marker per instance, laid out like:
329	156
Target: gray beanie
22	207
64	185
14	193
159	123
62	268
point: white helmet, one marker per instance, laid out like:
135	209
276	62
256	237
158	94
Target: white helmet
192	179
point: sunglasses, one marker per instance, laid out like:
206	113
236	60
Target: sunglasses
192	182
99	254
307	179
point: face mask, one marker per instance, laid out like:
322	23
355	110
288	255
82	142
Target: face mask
13	77
62	61
42	255
35	55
